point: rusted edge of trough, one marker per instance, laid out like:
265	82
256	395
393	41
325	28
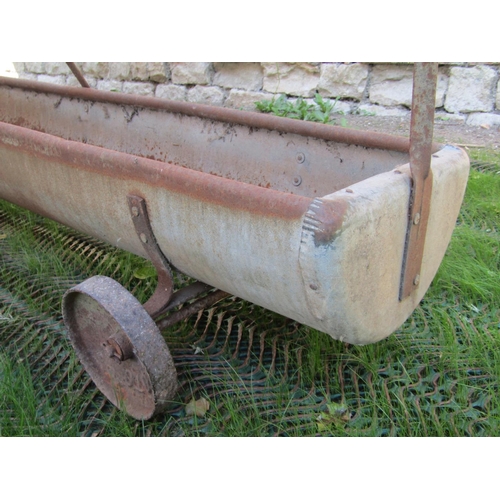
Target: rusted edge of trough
247	118
199	185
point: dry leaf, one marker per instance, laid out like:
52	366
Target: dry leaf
198	407
3	236
197	350
338	415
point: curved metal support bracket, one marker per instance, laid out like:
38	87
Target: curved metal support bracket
421	132
165	288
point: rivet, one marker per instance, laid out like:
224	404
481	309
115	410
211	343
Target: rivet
135	211
297	181
301	157
416	218
416	280
313	286
144	238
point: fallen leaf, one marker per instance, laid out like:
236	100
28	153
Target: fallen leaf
338	414
339	411
198	407
197	350
3	236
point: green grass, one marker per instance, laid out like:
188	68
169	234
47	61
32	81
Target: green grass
438	375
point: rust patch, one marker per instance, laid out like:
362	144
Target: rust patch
325	218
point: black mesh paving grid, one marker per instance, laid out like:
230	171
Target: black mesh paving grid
239	356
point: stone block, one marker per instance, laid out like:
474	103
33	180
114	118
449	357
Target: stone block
343	80
373	109
29	76
245	76
34	67
56	79
191	73
206	95
172	92
441	89
138	71
244	99
71	80
57	68
296	79
471	89
119	71
342	107
20	67
139	88
98	70
148	71
442	116
485	120
110	85
391	85
158	72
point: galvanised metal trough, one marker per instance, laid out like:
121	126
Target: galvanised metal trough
338	229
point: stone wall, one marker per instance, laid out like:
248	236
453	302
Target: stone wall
466	91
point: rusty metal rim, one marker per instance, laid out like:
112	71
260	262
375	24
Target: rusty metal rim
247	118
100	308
216	190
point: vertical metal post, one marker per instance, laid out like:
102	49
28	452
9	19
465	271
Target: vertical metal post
421	133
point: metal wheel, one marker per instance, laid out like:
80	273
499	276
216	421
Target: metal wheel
120	346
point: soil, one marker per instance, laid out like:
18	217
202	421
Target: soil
444	131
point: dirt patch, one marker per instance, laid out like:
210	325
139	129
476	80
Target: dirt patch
444	131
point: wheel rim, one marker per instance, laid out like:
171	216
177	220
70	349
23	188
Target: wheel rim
120	346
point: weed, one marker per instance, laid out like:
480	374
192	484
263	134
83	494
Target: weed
319	110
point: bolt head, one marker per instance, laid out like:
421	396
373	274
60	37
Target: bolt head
301	157
144	238
297	180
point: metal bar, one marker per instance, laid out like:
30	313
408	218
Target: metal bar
192	308
421	148
185	294
79	76
165	286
